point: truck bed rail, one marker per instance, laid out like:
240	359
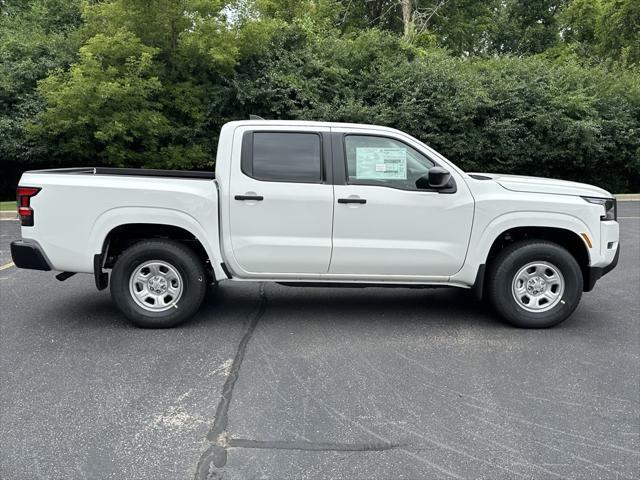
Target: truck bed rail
140	172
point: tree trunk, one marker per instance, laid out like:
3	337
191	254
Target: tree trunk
407	14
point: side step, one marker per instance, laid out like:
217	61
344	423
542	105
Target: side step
357	285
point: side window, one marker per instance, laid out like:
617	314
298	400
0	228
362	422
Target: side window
282	156
383	161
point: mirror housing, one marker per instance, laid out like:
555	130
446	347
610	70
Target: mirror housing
437	177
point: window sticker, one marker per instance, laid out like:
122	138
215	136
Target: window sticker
381	163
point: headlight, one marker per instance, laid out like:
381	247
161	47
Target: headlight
610	207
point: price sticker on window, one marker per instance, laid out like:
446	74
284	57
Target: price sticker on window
381	163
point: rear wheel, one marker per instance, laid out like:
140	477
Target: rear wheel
534	284
158	283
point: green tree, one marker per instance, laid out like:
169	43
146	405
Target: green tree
135	96
619	31
533	115
36	36
464	27
579	22
527	26
106	107
545	87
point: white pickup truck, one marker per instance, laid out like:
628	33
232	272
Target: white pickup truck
310	203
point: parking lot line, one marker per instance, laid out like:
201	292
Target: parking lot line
7	265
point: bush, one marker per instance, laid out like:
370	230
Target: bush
531	116
131	85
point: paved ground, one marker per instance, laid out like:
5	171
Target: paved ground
318	383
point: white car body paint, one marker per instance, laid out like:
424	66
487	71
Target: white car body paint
300	232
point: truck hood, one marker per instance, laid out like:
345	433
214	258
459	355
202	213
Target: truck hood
518	183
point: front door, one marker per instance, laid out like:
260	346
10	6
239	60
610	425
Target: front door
281	203
384	226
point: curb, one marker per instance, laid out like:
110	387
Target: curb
628	197
8	216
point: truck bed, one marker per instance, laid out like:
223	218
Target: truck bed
76	208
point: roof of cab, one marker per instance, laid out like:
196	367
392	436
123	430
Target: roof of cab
309	123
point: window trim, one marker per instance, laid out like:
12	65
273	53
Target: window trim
345	165
246	156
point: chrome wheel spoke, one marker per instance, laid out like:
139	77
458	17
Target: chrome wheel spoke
521	289
142	294
553	278
141	278
539	302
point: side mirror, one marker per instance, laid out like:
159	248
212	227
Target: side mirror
437	177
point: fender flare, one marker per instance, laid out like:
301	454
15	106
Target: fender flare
116	217
509	221
481	241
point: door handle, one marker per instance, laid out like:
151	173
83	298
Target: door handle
257	198
352	200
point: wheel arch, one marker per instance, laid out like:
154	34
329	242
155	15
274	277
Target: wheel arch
568	239
123	236
138	223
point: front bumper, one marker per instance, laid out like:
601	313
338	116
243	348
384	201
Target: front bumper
28	255
594	273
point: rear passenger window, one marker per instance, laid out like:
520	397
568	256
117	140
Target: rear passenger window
284	157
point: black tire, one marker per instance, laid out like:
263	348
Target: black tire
189	267
504	268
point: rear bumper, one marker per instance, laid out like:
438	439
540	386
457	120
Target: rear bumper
28	255
594	273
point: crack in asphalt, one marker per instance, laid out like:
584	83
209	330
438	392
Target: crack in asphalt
216	454
215	457
311	446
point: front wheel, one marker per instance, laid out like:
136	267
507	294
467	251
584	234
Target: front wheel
535	284
158	283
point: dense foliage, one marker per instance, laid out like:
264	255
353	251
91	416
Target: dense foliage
544	87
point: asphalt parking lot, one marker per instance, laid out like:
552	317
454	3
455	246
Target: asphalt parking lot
295	383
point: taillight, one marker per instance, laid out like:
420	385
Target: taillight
25	212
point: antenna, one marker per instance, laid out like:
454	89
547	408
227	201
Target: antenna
255	117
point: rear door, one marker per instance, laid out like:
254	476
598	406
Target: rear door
281	201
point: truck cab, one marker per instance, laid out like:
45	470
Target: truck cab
339	203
